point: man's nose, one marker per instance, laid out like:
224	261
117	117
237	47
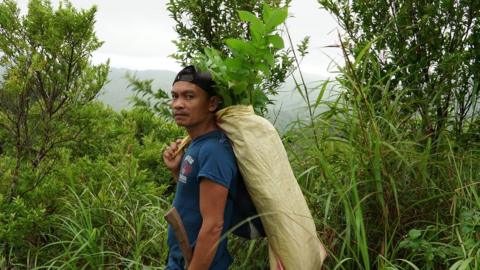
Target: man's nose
177	103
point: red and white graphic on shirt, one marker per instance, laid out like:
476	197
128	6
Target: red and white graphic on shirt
186	169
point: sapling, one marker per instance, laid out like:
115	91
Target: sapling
238	77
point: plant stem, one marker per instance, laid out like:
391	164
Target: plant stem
307	98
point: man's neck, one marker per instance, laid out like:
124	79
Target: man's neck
197	131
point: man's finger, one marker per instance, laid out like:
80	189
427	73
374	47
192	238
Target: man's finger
169	153
178	151
173	146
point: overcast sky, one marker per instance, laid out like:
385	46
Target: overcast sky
138	34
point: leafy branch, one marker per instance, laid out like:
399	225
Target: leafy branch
239	76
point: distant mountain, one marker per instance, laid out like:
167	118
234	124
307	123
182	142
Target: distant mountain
116	92
288	104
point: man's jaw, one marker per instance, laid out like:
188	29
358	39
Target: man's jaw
180	118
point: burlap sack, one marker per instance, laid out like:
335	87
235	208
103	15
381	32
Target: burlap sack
264	165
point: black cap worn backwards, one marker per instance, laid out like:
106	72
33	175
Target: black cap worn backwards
201	79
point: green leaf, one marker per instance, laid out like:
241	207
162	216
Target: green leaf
275	18
240	87
257	28
266	12
461	264
235	44
240	46
276	41
263	68
303	46
248	17
270	59
227	100
259	100
321	93
414	234
234	64
364	50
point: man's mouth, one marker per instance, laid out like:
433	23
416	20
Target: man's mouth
180	115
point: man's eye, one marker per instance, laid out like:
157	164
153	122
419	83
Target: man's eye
189	96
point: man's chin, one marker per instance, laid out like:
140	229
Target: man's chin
181	123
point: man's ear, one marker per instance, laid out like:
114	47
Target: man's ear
214	104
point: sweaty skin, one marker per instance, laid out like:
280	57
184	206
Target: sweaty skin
195	110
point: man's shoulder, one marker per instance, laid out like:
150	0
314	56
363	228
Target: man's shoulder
217	146
216	140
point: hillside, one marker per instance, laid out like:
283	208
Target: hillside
116	92
288	104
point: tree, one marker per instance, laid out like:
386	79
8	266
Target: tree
204	24
156	101
48	74
238	77
428	51
47	78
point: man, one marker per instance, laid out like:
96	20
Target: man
206	174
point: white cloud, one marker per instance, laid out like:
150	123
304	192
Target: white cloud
138	34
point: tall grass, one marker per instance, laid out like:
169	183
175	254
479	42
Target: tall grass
109	217
384	195
126	231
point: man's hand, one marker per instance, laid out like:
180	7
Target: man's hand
171	160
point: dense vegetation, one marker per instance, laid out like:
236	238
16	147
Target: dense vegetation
389	167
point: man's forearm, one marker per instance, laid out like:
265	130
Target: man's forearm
206	247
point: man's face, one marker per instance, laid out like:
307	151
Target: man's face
191	105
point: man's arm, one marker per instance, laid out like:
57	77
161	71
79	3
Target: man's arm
213	198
